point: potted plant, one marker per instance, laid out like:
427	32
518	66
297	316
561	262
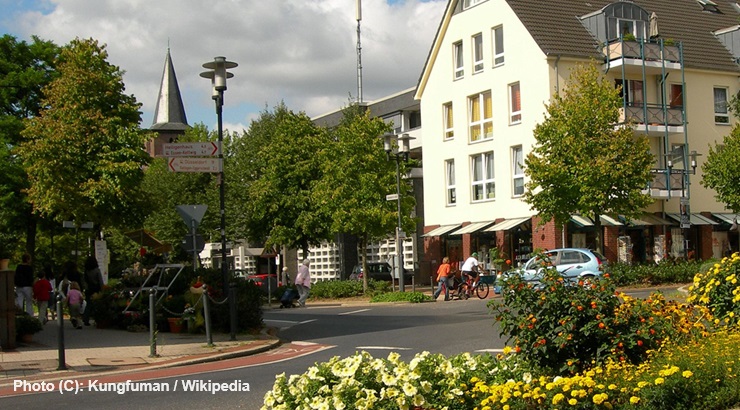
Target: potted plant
26	326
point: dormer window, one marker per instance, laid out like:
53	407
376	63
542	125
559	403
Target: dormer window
708	6
622	19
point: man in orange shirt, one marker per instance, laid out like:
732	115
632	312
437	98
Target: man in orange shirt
442	272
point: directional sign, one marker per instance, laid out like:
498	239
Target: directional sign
196	164
192	149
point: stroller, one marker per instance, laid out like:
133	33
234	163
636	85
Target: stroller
289	298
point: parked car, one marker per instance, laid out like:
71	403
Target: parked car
573	264
379	271
261	281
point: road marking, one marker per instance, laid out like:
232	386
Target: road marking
382	348
490	351
307	321
282	321
354	311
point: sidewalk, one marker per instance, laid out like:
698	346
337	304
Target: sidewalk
92	351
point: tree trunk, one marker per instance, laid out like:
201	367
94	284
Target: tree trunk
363	255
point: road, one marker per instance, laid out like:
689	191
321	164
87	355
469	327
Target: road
313	334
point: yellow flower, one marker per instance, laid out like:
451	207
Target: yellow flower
600	398
572	402
687	373
659	380
634	400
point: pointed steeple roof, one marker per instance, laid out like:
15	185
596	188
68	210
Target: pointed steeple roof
169	114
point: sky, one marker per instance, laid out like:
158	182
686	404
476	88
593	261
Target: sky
301	52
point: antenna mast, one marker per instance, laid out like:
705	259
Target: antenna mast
358	17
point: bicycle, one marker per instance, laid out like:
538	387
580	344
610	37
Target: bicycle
481	287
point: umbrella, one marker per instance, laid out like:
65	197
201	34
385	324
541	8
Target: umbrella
146	238
654	26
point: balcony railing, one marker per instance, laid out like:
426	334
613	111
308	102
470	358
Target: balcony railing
666	185
642	50
652	114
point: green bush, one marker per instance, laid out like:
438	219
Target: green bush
414	297
337	289
667	271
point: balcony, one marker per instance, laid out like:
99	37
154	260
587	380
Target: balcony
663	188
653	119
653	57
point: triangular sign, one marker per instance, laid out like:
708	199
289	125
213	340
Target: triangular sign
192	214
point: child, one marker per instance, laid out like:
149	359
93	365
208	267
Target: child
41	292
74	302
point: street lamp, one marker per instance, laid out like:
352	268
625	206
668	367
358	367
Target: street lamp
217	74
401	153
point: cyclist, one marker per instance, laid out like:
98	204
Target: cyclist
470	270
442	274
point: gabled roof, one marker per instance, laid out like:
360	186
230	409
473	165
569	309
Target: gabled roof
555	25
169	113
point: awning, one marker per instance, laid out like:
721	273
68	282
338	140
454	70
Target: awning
473	227
727	218
585	221
507	224
440	231
694	219
648	219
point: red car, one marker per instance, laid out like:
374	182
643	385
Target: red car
261	280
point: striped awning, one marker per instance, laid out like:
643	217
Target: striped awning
441	230
648	220
586	221
507	224
694	219
473	227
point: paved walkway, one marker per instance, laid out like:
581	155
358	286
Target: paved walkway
90	351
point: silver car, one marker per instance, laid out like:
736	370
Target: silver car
573	264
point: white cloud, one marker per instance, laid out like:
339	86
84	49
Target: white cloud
302	52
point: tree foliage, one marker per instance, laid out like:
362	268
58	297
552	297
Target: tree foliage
276	166
83	154
581	163
722	170
25	68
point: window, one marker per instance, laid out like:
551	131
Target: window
459	68
484	185
631	28
676	96
721	115
517	170
448	124
631	92
470	3
414	119
498	46
515	104
450	182
478	53
481	116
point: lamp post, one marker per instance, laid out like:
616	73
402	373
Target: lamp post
400	153
217	74
685	211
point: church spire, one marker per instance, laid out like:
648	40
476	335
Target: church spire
169	113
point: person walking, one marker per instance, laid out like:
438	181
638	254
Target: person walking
303	282
442	274
74	303
470	269
42	292
94	282
24	284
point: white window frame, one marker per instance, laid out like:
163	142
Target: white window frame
721	112
482	177
451	188
477	45
517	170
458	60
497	36
515	115
483	122
470	3
448	121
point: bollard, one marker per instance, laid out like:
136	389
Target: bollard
207	314
152	325
60	317
232	309
413	283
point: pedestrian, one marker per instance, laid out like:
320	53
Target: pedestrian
442	274
303	282
24	284
94	281
49	275
42	292
470	268
69	275
74	303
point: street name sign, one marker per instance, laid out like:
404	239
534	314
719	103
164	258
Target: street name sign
195	164
391	197
192	149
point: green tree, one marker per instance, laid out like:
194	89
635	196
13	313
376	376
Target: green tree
25	68
271	174
722	170
581	163
83	154
357	177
